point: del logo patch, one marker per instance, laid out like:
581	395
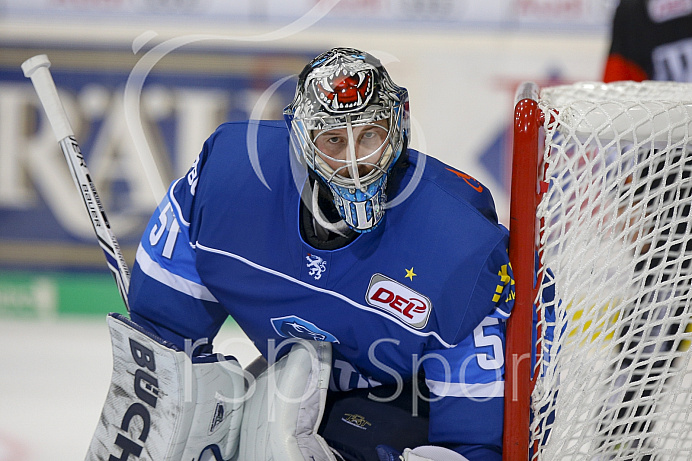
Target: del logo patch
397	299
295	327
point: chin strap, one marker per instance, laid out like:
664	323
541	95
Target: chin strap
339	227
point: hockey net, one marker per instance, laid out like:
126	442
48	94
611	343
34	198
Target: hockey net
603	217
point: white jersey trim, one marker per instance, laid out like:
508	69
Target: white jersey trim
470	391
500	313
338	295
168	278
175	203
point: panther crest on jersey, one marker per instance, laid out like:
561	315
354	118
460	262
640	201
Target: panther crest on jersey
343	86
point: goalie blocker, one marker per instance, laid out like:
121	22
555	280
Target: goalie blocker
162	405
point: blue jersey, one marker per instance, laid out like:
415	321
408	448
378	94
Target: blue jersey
428	289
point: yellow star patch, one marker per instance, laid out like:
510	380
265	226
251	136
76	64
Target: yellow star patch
410	274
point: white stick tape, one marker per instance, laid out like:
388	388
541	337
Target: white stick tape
36	69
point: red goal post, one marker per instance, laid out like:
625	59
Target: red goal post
601	196
523	228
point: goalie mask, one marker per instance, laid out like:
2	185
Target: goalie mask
350	123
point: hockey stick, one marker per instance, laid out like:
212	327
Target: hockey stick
36	69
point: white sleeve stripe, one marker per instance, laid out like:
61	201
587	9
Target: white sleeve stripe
322	290
174	281
480	390
171	197
502	313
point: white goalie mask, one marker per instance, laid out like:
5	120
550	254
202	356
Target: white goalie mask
350	123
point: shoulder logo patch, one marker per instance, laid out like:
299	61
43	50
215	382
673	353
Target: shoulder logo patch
470	180
398	300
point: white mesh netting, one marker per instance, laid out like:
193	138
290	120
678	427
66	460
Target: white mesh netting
616	382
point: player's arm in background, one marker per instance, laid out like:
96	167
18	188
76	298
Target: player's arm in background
621	63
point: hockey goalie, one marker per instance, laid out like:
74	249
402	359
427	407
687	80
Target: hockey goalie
373	279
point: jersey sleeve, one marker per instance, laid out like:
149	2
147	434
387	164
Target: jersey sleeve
466	382
466	386
166	294
493	290
625	59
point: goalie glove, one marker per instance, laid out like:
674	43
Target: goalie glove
285	407
162	406
423	453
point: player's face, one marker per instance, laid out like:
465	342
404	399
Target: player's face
351	149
